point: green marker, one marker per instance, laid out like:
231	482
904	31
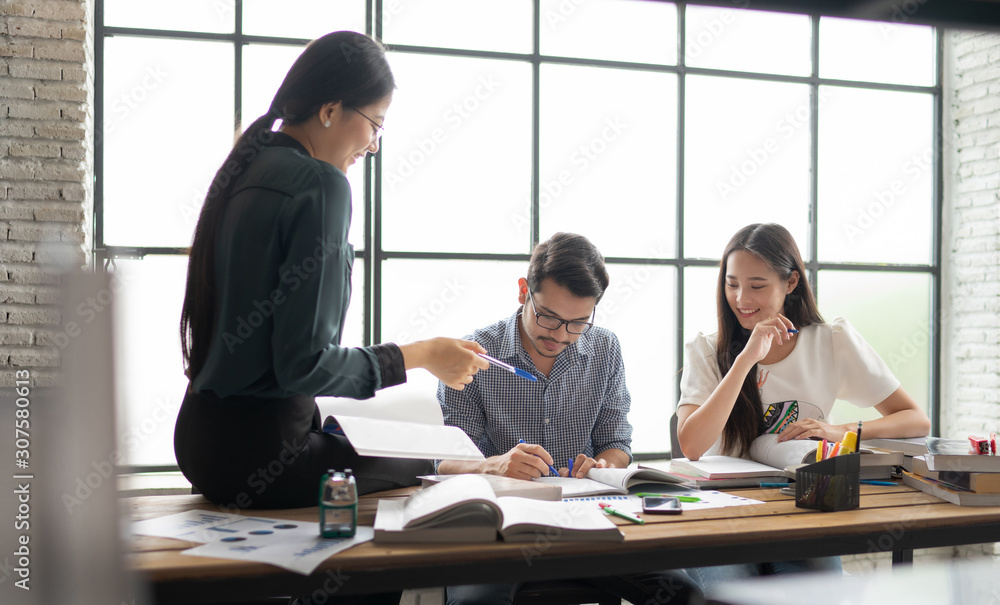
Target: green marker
680	498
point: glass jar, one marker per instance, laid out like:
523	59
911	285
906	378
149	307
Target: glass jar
338	504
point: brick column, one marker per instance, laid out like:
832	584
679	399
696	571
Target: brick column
971	265
46	172
970	313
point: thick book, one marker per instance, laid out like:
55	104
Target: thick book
609	481
954	455
768	458
465	509
940	490
915	446
981	483
506	486
687	480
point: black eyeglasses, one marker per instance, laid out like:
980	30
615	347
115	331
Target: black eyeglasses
379	129
554	323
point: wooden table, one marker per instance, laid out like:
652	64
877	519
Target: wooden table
896	519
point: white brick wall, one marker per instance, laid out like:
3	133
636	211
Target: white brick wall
971	286
46	156
970	395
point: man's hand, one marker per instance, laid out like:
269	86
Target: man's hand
523	461
583	464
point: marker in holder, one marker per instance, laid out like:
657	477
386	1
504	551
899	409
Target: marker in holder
830	485
338	505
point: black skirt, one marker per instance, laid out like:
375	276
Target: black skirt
251	452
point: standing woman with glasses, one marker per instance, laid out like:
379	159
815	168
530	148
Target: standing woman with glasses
268	284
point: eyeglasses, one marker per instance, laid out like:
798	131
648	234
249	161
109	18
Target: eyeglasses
379	129
554	323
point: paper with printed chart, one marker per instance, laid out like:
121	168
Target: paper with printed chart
400	427
706	499
292	545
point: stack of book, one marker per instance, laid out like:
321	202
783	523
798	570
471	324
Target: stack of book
769	462
951	471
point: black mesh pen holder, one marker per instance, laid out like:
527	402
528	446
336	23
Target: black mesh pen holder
829	485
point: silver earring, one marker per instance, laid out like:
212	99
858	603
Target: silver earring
326	124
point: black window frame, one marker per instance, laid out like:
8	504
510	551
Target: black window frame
374	255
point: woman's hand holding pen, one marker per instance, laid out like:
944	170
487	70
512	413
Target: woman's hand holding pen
764	335
523	461
810	427
452	361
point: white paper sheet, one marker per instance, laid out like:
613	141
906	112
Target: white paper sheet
633	504
399	427
390	404
199	525
298	549
398	439
292	545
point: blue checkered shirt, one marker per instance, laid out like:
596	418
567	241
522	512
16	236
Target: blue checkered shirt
580	408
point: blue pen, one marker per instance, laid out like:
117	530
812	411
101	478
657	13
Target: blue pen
872	482
551	468
793	331
766	484
508	367
570	467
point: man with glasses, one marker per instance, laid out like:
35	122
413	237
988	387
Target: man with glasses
575	410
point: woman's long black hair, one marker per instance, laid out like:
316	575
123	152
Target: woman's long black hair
342	66
774	245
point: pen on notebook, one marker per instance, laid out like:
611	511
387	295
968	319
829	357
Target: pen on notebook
614	511
551	468
508	367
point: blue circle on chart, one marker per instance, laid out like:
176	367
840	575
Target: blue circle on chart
285	526
261	532
232	539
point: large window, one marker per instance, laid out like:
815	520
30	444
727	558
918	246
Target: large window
655	129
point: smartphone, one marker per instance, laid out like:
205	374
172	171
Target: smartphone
661	505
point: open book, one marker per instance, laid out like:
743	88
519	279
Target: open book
400	427
609	481
506	486
769	458
464	509
705	483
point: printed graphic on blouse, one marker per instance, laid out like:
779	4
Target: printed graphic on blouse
779	415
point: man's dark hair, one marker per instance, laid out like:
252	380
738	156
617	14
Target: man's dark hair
573	262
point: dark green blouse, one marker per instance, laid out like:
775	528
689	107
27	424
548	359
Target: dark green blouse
283	274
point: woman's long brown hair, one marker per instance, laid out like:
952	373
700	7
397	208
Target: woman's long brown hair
774	245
